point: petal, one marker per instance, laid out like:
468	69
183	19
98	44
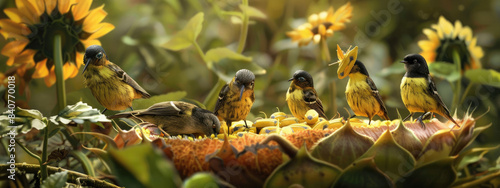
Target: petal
39	5
91	22
458	28
11	29
81	9
432	35
25	57
51	78
321	29
64	6
465	34
21	70
322	16
79	59
14	15
446	26
41	69
14	48
50	5
426	45
74	70
430	56
103	29
313	19
28	10
317	38
88	43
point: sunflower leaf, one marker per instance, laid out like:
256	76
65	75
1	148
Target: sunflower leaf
473	155
439	173
187	36
24	120
216	54
363	173
57	180
445	70
484	76
253	12
79	113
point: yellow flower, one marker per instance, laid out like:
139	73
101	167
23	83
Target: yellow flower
444	38
322	25
31	29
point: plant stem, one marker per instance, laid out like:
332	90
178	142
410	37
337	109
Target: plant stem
43	166
244	28
458	89
467	89
325	53
29	152
213	95
61	88
333	104
202	55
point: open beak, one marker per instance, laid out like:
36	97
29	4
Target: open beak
242	90
86	65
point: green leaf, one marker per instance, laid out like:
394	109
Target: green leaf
472	156
363	173
142	166
407	139
395	68
24	121
146	103
253	12
304	170
484	76
79	113
187	36
56	180
390	157
342	147
445	70
204	179
216	54
84	161
439	173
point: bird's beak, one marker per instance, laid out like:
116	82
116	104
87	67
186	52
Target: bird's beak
242	90
86	65
403	61
290	79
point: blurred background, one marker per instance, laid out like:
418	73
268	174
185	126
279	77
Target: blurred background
384	31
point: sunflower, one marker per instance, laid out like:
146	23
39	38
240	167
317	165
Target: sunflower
32	27
322	25
444	38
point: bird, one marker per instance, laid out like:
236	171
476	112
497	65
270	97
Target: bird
301	96
109	84
362	95
418	91
236	98
176	118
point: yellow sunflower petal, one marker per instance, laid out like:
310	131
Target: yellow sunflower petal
28	10
79	59
322	30
313	19
322	16
432	35
439	32
317	38
25	57
104	28
465	34
67	70
446	26
51	78
458	28
88	43
50	5
426	45
41	69
74	70
340	53
14	48
10	29
64	6
81	9
430	56
14	15
39	5
91	22
21	70
329	32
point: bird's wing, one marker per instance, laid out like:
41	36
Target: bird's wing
127	79
433	92
164	109
376	94
222	97
311	99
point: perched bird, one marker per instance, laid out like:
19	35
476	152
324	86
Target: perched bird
362	94
110	85
176	117
418	91
236	98
302	97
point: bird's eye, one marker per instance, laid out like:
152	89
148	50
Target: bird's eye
99	55
302	79
415	61
251	83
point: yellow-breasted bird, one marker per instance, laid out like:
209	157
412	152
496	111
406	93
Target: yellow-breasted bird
236	98
419	92
301	96
177	117
362	95
110	85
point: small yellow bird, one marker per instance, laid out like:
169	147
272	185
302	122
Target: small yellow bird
177	117
419	92
362	95
110	85
301	96
236	98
